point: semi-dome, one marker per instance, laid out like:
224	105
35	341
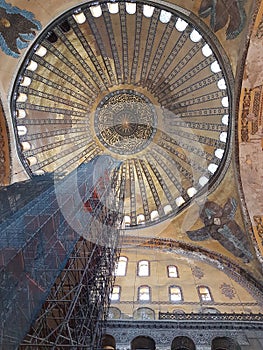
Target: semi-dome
139	81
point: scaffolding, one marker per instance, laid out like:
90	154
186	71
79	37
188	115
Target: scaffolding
54	252
73	314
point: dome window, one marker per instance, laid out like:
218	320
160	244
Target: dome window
25	146
179	201
26	81
206	50
225	119
20	113
165	16
225	102
215	68
219	153
221	84
79	17
212	168
154	215
32	66
32	161
113	7
223	136
41	51
180	25
21	97
195	36
130	8
96	11
191	191
203	180
148	11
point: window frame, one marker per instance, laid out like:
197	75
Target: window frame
139	274
201	294
126	266
149	293
171	294
168	272
119	294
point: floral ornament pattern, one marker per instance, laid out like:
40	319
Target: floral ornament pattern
228	290
220	225
222	12
17	28
197	272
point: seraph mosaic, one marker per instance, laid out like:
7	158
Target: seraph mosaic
17	28
220	225
223	12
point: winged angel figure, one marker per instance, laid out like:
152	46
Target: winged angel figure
222	12
17	28
221	226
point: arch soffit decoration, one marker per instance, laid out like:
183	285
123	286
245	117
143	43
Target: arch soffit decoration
5	161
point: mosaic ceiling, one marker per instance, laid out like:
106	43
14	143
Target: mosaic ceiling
141	83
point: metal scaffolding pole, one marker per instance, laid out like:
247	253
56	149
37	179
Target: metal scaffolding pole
47	250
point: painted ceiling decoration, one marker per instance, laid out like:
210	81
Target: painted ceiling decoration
5	162
93	85
223	12
17	28
221	226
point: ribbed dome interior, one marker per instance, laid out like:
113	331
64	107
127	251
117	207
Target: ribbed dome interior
135	81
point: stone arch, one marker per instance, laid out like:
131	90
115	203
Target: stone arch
108	342
143	342
224	343
182	343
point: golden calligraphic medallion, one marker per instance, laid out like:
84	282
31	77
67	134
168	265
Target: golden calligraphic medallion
125	121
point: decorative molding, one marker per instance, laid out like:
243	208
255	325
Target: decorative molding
194	326
4	150
259	226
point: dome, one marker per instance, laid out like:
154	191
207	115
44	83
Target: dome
141	82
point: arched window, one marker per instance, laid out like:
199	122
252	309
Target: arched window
204	293
144	293
224	343
143	342
175	294
144	313
115	294
121	266
178	312
182	343
22	130
172	271
210	310
114	313
108	342
143	268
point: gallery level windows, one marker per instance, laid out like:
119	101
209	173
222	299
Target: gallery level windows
172	271
144	293
204	293
115	294
143	268
121	266
175	294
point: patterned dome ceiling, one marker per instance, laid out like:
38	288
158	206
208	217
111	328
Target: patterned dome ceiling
143	83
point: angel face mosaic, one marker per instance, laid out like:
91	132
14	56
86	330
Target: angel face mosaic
87	88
